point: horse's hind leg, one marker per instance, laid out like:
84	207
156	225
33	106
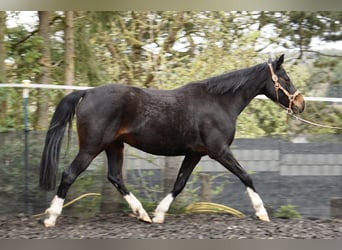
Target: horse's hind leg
79	164
115	160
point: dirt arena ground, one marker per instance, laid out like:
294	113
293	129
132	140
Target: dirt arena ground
185	226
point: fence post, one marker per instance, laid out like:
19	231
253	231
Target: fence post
336	207
26	92
205	187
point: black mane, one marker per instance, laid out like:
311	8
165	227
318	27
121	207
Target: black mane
232	81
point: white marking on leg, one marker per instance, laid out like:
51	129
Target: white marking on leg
162	208
137	207
258	205
53	211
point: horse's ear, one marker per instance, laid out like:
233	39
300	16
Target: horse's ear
280	61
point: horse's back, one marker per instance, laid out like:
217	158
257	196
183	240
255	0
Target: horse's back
107	98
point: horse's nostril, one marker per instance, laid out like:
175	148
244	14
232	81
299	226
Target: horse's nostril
303	107
299	102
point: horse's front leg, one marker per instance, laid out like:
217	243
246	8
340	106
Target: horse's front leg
184	173
226	158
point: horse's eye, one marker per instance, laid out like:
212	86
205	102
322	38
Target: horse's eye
285	78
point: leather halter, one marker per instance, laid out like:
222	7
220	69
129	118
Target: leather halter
277	86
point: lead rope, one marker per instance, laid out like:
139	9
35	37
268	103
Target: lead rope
312	123
71	202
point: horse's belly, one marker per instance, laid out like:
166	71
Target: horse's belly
159	149
158	145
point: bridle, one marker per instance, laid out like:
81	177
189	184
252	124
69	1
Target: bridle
277	86
292	97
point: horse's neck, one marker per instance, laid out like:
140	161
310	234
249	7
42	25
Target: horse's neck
239	100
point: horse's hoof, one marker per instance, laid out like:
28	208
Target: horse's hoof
48	223
145	218
263	217
158	219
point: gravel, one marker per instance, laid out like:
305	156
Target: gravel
184	226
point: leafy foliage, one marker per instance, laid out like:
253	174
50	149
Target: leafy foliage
287	211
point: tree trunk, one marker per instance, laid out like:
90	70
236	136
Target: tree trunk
2	46
69	53
45	75
3	97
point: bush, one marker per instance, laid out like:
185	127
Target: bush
287	212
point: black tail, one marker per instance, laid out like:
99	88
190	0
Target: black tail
64	114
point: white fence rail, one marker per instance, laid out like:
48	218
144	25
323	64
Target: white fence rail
66	87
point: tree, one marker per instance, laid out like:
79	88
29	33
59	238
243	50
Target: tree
69	51
297	29
3	97
2	46
45	73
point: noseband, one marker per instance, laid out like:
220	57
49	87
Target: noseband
277	86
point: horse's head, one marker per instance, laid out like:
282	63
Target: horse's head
280	88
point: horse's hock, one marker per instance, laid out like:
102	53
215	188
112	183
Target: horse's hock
336	207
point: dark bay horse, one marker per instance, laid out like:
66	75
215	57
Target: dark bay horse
194	120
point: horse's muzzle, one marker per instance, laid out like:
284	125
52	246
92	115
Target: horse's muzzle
298	104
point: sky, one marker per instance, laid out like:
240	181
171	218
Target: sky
26	18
